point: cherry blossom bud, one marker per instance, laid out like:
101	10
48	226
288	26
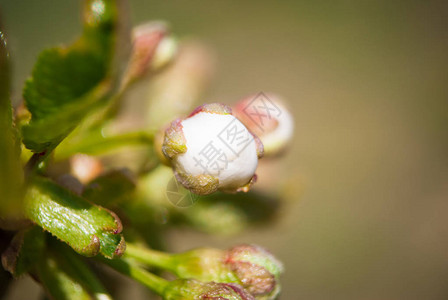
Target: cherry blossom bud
212	150
257	269
152	49
190	289
251	266
267	117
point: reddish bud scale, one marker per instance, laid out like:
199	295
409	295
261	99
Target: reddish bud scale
257	269
213	108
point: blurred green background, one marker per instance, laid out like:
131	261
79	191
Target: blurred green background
368	85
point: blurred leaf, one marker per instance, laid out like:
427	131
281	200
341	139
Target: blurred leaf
147	223
110	188
11	176
89	229
222	213
65	275
67	83
215	218
258	207
24	251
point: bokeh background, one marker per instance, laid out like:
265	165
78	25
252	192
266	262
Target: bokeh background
367	82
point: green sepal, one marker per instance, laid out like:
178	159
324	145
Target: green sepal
192	289
89	229
24	251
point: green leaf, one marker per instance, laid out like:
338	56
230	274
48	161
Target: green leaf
68	83
64	275
11	176
89	229
24	251
61	76
43	135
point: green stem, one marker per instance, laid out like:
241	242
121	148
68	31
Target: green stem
150	257
114	106
34	162
97	144
151	281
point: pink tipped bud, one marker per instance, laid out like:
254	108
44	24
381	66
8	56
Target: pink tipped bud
152	49
212	150
269	119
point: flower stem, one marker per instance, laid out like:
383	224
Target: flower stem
151	281
34	162
150	257
97	144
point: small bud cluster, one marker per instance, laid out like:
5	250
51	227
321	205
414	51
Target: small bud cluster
74	176
214	149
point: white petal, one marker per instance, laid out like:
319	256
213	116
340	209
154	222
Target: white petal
219	145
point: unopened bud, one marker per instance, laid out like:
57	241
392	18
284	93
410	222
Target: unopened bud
269	119
212	150
253	267
191	289
165	52
257	269
152	49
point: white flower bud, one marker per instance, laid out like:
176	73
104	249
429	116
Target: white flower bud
212	150
269	119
